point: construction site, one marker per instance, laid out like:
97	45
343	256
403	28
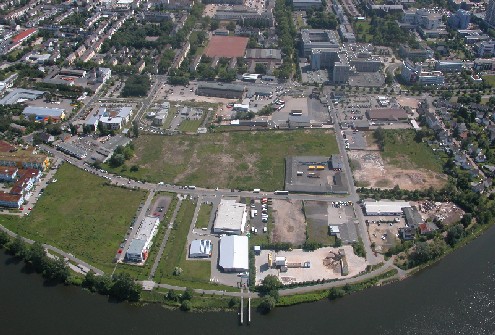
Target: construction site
299	266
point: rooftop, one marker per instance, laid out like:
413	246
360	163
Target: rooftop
234	253
231	216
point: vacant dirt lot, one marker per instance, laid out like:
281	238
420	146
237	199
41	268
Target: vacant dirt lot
372	171
323	265
290	225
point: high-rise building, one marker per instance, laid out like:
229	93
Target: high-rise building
490	13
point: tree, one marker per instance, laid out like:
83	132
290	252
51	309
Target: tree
260	68
233	302
37	256
267	304
231	26
454	234
188	294
124	288
135	128
172	295
466	219
18	247
117	160
4	239
269	283
56	269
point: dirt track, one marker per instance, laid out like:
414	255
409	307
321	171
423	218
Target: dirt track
290	225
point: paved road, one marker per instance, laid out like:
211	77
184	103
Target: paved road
354	197
142	214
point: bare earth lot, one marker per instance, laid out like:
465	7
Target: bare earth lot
322	265
372	171
290	225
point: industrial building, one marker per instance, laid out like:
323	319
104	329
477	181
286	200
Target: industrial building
142	241
234	254
20	95
231	218
229	91
413	217
200	249
387	114
45	113
336	163
384	207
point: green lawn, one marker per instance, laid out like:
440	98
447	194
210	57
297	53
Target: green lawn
489	79
401	150
190	125
319	233
81	215
362	29
204	216
239	160
176	249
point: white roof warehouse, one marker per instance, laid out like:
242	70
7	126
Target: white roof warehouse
234	253
385	207
230	218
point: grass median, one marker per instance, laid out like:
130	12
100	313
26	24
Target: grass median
175	251
82	215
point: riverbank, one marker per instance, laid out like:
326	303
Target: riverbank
204	300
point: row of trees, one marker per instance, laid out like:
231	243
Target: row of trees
53	269
119	287
287	35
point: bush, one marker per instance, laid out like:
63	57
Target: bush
185	306
267	304
335	293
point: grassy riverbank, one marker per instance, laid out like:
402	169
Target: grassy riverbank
82	215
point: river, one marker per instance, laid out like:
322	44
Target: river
456	296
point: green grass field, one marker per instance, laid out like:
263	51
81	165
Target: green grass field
402	151
319	233
189	126
204	216
489	79
227	160
176	249
80	215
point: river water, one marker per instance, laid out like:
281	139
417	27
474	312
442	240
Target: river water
456	296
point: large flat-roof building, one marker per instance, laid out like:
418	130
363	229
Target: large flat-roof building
20	95
229	91
234	254
387	114
230	218
318	39
384	207
45	113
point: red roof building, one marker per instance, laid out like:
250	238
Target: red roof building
24	35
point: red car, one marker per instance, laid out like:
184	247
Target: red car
21	208
29	208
